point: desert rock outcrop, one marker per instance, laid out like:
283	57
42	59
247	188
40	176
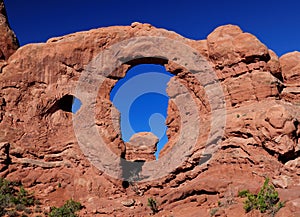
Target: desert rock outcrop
261	138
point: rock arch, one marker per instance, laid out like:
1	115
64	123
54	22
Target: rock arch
256	84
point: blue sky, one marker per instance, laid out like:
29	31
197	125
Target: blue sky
276	23
142	99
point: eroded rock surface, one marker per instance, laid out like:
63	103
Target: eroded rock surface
141	146
261	136
290	64
8	41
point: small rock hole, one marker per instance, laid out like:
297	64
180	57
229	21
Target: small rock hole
67	103
76	105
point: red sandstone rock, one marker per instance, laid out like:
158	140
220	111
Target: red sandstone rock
8	41
290	64
228	45
261	138
141	146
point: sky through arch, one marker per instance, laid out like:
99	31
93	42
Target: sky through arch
142	100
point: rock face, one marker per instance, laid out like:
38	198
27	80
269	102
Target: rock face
141	146
8	41
261	136
290	64
4	155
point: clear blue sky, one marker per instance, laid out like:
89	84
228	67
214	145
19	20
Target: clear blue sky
276	23
142	99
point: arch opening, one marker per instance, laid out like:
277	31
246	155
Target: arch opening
67	103
142	101
76	104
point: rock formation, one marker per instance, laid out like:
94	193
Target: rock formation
261	136
290	64
142	146
8	41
